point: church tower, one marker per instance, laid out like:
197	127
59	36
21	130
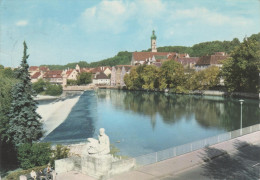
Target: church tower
153	42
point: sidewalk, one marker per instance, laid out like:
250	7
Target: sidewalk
171	166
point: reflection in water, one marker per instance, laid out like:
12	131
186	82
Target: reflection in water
79	125
143	122
209	111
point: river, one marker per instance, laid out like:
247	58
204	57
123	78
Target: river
143	122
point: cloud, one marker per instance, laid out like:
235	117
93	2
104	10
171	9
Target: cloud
107	15
203	15
118	16
21	23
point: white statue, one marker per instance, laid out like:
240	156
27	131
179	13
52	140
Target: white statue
100	146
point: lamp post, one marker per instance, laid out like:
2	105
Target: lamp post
241	103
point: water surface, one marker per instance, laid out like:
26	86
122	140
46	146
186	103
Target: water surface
142	122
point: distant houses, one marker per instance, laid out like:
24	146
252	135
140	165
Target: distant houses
114	76
118	73
213	60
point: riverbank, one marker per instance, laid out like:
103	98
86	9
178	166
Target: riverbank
53	114
196	92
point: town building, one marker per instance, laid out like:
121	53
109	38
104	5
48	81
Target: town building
154	57
188	62
100	78
55	77
118	73
213	60
37	73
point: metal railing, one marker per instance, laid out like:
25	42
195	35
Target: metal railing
186	148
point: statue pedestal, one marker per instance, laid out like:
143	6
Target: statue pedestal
97	166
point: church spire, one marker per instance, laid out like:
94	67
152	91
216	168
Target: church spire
153	42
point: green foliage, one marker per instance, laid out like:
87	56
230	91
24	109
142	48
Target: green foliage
71	82
24	124
53	89
134	80
7	72
1	67
150	76
172	76
122	58
60	152
36	154
6	84
15	175
39	86
241	71
84	78
204	79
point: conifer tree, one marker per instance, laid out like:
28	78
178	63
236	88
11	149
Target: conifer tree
24	124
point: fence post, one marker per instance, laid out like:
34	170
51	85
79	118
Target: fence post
250	129
218	138
190	147
229	135
156	157
174	152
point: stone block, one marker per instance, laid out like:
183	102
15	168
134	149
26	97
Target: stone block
68	164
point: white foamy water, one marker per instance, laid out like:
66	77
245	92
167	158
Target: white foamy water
53	114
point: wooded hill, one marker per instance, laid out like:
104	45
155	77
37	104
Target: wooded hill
197	50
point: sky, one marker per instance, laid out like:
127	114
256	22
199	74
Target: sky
64	31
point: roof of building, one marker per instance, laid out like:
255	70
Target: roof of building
53	74
44	68
33	68
142	56
213	59
68	72
188	60
36	75
101	75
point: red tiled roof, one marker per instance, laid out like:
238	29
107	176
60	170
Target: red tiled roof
141	56
35	75
53	74
44	68
33	68
69	72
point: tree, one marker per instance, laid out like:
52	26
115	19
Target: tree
241	71
204	79
1	67
172	76
24	124
150	77
84	78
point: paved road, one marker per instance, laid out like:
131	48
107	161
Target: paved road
244	163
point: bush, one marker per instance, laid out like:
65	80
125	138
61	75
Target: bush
36	154
39	86
53	90
71	82
60	152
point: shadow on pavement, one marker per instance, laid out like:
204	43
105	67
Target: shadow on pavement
237	166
